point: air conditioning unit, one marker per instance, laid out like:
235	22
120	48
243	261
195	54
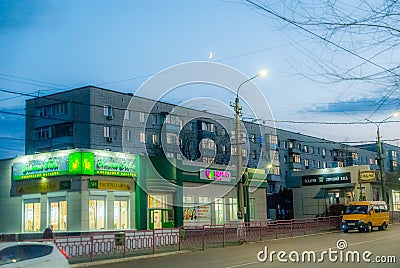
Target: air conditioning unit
109	139
110	117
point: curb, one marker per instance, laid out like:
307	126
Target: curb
90	264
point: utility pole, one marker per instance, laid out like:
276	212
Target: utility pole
380	163
239	171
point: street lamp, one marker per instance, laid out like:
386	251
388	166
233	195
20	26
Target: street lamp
239	172
380	154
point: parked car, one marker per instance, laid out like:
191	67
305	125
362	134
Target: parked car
32	254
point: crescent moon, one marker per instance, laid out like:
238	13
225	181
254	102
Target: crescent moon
211	55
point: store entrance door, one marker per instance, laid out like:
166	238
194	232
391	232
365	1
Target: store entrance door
157	219
161	218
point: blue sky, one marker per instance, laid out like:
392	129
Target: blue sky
50	46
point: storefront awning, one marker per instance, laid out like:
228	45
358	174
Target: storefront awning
323	191
339	186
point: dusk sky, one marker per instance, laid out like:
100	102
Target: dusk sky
52	46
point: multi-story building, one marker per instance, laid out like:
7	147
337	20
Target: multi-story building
184	164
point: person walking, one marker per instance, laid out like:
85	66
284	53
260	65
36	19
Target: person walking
48	232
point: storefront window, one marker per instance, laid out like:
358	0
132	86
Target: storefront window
121	214
32	216
396	200
252	205
219	211
233	209
96	213
58	214
157	201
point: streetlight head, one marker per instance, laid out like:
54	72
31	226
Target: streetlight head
262	73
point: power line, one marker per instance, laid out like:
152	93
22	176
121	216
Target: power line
386	97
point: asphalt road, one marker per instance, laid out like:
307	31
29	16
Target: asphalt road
319	250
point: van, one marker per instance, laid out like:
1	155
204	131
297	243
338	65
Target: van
365	215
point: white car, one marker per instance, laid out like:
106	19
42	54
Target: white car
32	254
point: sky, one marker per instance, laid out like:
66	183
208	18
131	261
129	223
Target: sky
52	46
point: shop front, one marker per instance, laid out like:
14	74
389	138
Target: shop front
323	192
73	190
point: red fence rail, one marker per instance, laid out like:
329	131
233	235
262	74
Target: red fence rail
90	247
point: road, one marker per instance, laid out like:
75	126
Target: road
297	252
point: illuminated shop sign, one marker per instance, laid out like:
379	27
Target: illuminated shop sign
39	186
109	185
215	175
38	166
75	163
322	179
367	176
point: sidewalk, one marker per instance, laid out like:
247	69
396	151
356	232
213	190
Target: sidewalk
109	261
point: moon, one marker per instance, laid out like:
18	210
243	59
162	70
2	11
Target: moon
211	55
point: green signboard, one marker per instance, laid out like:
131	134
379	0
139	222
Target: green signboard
75	163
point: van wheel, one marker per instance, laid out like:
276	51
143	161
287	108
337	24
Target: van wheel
383	227
369	227
345	231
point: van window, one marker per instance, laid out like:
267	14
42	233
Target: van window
383	208
356	209
377	209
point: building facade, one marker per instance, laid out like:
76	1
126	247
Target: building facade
184	165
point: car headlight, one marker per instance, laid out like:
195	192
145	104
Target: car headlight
343	221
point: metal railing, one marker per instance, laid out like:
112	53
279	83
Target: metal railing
95	246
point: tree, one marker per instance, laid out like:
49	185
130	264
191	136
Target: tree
360	38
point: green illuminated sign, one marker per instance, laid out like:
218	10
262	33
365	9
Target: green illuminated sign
75	163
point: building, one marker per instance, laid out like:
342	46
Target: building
184	165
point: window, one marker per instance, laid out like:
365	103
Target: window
173	120
393	153
291	144
206	126
58	214
108	111
244	152
273	139
53	109
295	158
42	133
141	117
157	201
274	155
96	213
311	149
305	148
128	134
306	164
233	209
354	156
128	115
219	208
32	215
142	137
155	119
252	205
323	152
171	138
254	154
325	165
121	214
106	132
253	138
61	130
155	139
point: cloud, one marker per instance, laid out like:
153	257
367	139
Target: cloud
359	105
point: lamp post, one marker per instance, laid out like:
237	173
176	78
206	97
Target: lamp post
239	171
380	155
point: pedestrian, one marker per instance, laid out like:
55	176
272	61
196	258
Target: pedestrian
48	232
